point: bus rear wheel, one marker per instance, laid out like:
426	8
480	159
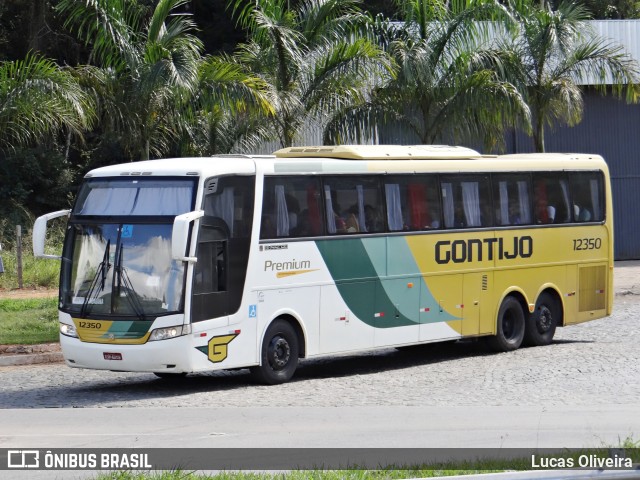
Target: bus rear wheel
542	323
279	354
510	327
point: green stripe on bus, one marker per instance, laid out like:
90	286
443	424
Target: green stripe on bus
358	267
129	329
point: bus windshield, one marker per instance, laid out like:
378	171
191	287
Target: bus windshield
121	270
117	256
137	197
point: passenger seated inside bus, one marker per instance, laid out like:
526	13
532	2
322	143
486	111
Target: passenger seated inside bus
551	214
373	219
585	215
267	227
514	214
351	223
459	219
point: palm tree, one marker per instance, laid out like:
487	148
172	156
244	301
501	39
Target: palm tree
149	66
39	99
228	109
314	56
556	53
448	84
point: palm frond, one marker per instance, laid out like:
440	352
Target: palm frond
38	99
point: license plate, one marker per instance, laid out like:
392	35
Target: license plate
112	356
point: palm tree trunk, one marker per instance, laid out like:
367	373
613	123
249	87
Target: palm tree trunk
37	26
538	135
287	133
67	147
145	150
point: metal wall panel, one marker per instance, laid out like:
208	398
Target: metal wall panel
626	217
611	128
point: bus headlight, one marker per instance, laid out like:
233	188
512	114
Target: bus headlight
169	332
68	330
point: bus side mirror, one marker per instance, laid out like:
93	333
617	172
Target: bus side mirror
180	235
39	234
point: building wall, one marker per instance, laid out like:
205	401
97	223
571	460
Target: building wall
610	127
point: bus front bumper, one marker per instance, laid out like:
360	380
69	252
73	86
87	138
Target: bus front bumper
164	356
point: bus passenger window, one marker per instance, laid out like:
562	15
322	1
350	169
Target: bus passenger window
232	202
466	201
552	202
291	207
512	199
353	205
587	196
412	202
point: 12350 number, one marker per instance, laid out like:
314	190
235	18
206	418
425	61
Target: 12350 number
93	325
587	243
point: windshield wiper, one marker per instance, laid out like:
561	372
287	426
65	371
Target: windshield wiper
99	278
122	279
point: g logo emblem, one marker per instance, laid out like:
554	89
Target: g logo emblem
218	347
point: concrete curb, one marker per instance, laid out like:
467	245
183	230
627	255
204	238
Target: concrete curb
15	360
13	355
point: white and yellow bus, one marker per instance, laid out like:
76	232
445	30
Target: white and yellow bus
195	264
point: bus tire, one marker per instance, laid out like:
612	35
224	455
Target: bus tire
279	354
542	323
510	327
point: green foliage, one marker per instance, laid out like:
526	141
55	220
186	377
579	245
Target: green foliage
315	56
39	99
147	69
228	109
613	9
33	181
447	84
36	272
28	321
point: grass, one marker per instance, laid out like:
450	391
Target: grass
36	272
28	321
295	475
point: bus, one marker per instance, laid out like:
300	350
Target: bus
187	265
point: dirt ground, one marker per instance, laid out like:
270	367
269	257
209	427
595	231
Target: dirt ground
29	293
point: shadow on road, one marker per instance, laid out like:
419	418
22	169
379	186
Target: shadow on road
116	389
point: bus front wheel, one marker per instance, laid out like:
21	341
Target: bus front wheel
279	354
510	326
542	323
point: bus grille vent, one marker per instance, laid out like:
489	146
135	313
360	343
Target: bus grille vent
593	285
212	186
485	283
